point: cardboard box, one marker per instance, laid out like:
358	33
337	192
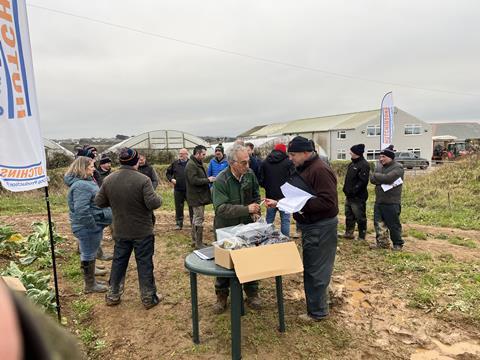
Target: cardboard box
261	262
14	284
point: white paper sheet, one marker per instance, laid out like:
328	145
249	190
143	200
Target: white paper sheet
387	187
294	200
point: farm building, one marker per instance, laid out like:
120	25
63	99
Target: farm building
337	133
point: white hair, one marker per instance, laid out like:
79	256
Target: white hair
233	151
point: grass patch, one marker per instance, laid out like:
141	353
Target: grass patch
417	234
457	240
81	308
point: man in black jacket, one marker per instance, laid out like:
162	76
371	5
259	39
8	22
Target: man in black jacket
356	193
176	175
275	171
147	170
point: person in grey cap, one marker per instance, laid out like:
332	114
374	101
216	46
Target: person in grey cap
318	223
356	193
387	209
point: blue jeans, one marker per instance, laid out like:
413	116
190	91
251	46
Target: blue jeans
284	220
89	242
319	242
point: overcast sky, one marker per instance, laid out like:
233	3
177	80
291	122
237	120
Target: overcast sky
99	80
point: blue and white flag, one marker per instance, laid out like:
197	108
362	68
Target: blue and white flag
22	153
386	121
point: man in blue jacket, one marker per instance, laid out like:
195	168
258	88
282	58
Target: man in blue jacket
218	162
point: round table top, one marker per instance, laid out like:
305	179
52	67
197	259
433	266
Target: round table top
207	267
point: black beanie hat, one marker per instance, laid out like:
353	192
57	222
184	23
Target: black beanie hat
300	144
358	149
128	157
105	159
220	148
388	151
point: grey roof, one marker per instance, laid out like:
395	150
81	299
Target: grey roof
461	130
318	124
250	131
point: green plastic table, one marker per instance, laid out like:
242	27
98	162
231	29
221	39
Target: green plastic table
195	266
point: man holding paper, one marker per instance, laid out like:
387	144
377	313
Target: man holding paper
388	180
312	195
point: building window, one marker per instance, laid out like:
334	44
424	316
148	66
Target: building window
373	130
373	154
413	129
416	151
342	154
341	135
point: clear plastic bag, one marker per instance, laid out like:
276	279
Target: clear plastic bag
253	234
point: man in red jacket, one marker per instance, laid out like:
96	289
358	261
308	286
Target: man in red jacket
318	222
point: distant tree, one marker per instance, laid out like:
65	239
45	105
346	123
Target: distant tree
121	137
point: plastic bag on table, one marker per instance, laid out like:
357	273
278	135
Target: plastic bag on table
253	234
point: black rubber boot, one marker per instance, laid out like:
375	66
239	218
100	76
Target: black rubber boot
91	284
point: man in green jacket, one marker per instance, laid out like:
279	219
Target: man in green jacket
236	199
198	192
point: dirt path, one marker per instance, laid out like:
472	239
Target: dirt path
369	319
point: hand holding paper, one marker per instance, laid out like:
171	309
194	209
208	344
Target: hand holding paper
294	200
396	183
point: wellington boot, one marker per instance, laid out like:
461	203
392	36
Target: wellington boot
91	284
221	305
199	237
100	272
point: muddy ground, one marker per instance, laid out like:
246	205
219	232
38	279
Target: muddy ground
370	319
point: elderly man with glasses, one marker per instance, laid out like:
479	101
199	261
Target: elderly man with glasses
236	199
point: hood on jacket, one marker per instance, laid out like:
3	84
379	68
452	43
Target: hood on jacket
276	156
71	179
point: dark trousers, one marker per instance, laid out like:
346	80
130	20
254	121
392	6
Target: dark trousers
222	286
180	197
389	214
143	249
355	213
319	242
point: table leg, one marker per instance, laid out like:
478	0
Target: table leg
242	302
193	289
236	305
281	312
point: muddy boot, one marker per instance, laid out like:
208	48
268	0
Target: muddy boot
100	272
221	305
112	298
179	225
348	234
91	284
194	236
254	302
103	256
151	300
199	237
382	237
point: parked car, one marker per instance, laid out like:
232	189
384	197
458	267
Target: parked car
409	160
